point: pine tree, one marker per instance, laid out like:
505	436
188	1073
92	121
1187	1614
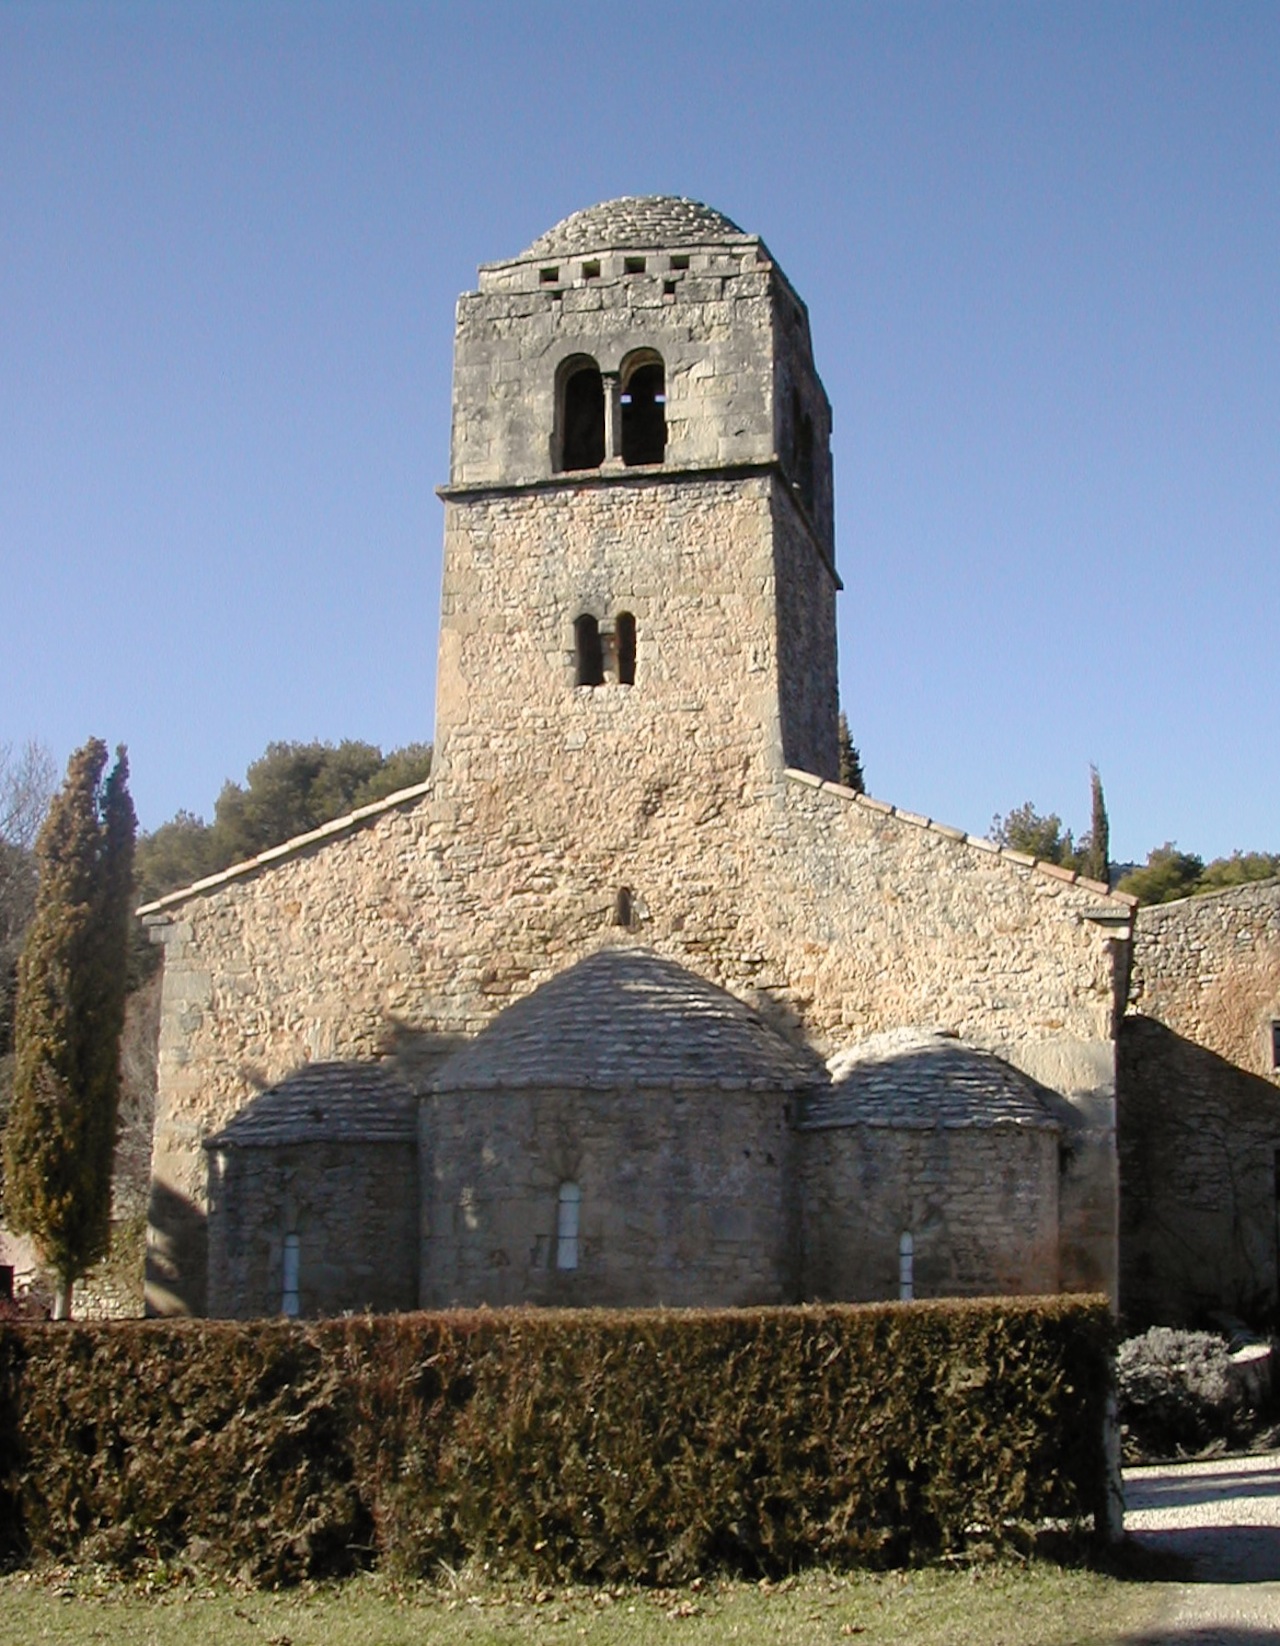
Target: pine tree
850	760
70	1013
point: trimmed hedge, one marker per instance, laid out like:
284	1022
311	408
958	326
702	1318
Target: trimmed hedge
639	1445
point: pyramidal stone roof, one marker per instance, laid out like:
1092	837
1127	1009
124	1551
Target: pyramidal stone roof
636	222
325	1103
627	1018
923	1079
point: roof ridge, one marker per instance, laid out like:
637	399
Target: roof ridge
1024	860
286	848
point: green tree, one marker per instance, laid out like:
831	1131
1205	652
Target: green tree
1168	874
850	760
71	996
1238	869
1025	830
1093	856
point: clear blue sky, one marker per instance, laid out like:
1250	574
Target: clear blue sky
1041	249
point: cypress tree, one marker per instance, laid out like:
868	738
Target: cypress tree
1097	856
850	760
71	997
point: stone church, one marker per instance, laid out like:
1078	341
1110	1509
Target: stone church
632	1002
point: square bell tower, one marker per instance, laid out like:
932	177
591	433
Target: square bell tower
639	578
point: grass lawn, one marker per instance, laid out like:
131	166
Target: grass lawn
990	1605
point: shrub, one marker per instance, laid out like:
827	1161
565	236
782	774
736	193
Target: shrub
639	1445
1175	1393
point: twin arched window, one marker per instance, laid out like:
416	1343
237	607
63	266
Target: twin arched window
586	431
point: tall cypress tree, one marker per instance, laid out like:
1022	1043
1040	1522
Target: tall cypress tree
1097	854
70	1013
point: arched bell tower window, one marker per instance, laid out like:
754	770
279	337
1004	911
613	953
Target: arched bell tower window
580	415
644	409
589	651
624	639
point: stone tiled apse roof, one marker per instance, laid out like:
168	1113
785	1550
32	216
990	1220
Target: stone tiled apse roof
627	1018
325	1103
920	1079
636	222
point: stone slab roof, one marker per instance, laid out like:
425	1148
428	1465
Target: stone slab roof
922	1079
325	1103
627	1018
635	222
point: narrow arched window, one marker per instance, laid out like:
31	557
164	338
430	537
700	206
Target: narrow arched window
644	412
581	415
906	1266
624	639
590	652
568	1211
292	1266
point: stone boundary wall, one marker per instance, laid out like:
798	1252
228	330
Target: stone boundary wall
1209	969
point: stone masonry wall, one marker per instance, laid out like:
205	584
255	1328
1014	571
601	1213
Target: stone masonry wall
1209	969
835	917
1199	1122
354	1208
684	1198
981	1206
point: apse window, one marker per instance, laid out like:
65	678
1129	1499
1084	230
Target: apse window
292	1257
906	1267
568	1212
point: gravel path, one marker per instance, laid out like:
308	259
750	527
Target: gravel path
1223	1516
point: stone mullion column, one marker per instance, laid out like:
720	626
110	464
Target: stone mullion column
612	416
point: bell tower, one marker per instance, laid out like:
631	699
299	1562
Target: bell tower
639	578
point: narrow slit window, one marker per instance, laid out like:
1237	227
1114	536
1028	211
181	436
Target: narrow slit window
906	1267
568	1212
582	417
591	270
680	260
548	277
590	651
292	1261
644	414
625	641
633	265
622	908
1275	1042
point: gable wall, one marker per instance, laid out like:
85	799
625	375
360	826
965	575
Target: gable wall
834	919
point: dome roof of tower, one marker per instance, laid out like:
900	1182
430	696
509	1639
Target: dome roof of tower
627	1018
635	222
922	1079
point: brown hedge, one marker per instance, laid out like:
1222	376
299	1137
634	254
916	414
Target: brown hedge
644	1445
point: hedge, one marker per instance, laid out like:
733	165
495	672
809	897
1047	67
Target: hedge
598	1445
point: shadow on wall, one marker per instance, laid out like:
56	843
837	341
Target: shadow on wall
1199	1148
177	1254
415	1054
